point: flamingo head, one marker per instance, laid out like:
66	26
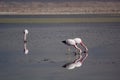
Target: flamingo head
26	31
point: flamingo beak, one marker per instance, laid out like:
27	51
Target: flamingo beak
64	42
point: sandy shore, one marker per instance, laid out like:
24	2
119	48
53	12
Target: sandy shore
36	8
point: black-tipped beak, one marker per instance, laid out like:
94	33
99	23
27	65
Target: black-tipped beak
64	42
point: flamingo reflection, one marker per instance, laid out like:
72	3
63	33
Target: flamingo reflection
77	62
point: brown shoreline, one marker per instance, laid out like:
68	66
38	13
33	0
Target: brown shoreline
36	8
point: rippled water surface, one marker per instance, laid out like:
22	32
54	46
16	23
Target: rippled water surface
47	54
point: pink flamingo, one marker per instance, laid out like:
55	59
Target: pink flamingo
74	42
25	41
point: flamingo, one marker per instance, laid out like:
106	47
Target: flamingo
74	42
78	62
25	41
25	35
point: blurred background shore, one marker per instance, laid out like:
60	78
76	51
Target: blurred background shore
38	7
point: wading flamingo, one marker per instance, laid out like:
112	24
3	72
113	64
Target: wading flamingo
25	41
25	35
78	62
74	42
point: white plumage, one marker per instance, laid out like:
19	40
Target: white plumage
26	31
72	42
25	35
77	40
25	41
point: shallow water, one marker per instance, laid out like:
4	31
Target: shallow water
47	54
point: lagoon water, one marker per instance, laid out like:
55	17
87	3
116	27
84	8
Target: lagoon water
47	54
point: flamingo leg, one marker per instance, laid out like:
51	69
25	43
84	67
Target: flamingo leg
80	51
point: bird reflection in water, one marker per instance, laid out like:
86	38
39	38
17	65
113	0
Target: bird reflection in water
77	62
81	57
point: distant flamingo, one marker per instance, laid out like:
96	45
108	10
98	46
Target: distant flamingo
74	42
25	35
25	41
